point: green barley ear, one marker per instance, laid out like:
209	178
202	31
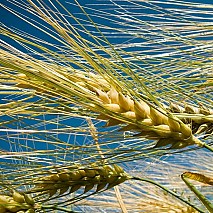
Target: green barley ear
70	180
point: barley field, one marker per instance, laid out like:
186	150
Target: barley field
106	106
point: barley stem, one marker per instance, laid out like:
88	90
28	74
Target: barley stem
210	148
168	191
201	197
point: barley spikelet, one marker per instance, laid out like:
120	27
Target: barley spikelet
70	180
16	203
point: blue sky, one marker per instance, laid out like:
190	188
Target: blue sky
11	20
